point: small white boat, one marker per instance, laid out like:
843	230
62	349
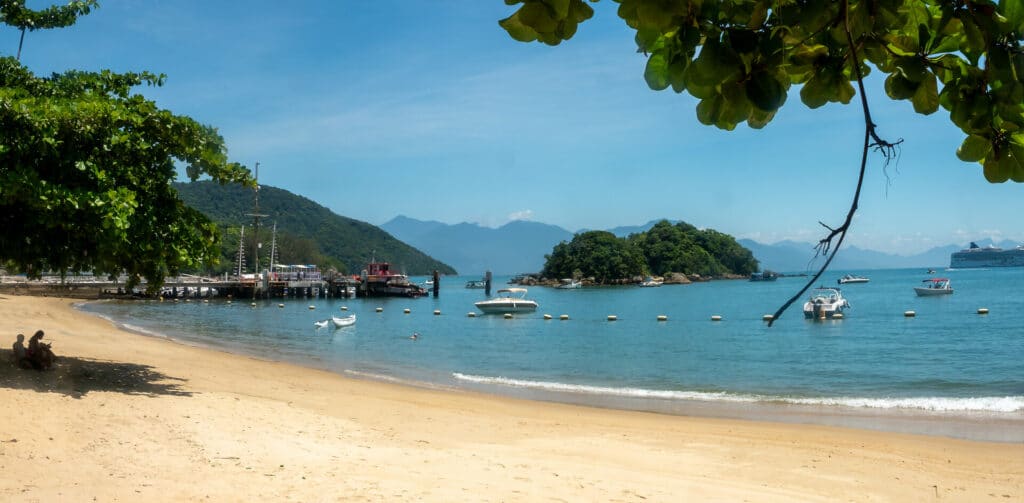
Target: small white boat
570	284
850	278
650	282
509	300
476	283
343	321
825	303
935	286
321	324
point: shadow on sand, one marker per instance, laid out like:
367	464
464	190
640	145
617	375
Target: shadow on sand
76	377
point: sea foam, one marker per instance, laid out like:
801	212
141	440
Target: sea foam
936	404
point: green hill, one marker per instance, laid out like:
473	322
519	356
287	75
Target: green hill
307	233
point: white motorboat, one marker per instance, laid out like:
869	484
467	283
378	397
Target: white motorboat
343	321
509	300
476	283
935	286
650	282
570	284
825	303
850	278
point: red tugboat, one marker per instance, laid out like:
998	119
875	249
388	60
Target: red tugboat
379	281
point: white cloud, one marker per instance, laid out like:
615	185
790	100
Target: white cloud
520	215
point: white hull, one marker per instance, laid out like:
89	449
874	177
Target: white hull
928	292
506	306
344	322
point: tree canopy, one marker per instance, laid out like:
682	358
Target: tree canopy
86	166
740	58
663	249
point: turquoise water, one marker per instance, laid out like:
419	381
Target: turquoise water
947	361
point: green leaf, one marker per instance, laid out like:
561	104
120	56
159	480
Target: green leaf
657	72
974	148
517	30
766	93
899	88
926	98
998	170
560	8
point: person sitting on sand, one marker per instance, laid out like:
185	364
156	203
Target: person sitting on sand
35	354
21	354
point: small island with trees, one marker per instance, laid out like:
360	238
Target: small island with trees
681	252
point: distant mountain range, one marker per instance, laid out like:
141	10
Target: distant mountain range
520	246
515	247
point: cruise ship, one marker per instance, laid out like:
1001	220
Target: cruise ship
989	256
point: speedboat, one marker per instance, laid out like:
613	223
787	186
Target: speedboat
825	303
649	282
476	283
344	321
849	278
570	284
935	286
509	300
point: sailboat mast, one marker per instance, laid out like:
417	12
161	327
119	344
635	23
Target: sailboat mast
241	251
273	248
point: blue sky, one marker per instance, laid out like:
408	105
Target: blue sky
428	109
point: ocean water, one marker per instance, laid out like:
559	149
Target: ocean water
948	370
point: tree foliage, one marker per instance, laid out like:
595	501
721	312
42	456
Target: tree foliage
663	249
597	254
740	58
86	167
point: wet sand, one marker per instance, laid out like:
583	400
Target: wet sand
128	417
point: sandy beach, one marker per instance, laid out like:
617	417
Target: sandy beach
126	417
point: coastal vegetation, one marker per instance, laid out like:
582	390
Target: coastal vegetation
665	248
307	233
86	165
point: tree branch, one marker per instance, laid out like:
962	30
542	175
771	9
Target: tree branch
871	139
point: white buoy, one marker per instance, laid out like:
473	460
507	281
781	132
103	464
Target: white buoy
837	316
206	301
344	308
252	304
188	300
312	307
909	314
508	316
563	317
280	305
407	310
612	317
662	317
229	302
767	317
380	309
437	312
471	314
716	318
982	310
547	316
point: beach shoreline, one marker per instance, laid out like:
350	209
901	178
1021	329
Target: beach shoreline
982	425
131	416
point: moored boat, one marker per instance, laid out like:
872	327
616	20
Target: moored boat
763	276
509	300
569	284
379	281
850	278
824	303
934	286
649	282
476	283
343	321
